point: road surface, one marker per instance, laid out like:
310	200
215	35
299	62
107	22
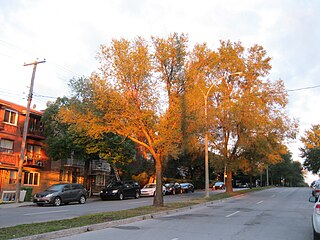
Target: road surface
273	214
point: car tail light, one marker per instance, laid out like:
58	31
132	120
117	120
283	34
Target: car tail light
317	208
317	190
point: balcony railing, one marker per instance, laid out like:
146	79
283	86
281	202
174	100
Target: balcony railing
34	162
73	163
100	165
35	133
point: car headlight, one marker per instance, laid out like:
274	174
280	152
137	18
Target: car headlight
115	191
49	195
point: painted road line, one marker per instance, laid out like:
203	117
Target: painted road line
232	214
260	202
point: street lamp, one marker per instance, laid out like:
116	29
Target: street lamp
206	158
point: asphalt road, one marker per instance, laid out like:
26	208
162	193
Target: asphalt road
34	213
273	214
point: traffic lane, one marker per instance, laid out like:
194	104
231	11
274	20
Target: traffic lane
34	213
279	213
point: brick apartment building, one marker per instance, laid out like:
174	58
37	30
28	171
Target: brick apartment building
39	171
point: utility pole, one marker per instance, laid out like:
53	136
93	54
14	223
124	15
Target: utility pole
267	173
25	129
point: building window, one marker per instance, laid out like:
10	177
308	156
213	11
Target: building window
10	117
6	145
13	177
35	125
33	152
31	178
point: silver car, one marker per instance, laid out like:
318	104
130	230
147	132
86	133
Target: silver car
316	217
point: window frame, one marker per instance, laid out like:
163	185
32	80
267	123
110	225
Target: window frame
6	150
31	179
8	121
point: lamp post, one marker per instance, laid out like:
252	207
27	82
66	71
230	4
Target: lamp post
206	158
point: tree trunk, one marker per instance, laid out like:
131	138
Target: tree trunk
158	198
251	182
229	182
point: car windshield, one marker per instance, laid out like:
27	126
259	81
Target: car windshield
218	183
114	184
150	186
55	188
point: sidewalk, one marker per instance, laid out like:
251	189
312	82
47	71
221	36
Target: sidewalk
15	205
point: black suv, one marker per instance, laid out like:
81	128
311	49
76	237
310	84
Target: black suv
61	193
121	190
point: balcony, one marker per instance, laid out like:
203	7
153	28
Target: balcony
35	163
34	133
73	163
100	165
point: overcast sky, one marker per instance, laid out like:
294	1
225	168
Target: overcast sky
67	33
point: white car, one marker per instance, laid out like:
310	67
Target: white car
150	190
316	217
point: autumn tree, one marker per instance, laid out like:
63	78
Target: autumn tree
258	153
240	107
63	141
287	172
123	99
170	56
311	149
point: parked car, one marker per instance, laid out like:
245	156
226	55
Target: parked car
121	190
315	217
316	189
218	185
187	187
61	193
150	190
173	188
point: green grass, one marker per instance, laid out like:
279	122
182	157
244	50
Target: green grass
44	227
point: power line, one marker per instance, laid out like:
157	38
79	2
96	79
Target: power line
303	88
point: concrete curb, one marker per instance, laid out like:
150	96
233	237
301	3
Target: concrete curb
99	226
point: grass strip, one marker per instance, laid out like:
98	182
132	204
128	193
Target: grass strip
24	230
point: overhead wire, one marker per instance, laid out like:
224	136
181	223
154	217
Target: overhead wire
69	71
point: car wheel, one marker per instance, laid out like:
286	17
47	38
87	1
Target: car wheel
82	199
137	195
57	201
120	196
316	236
40	204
